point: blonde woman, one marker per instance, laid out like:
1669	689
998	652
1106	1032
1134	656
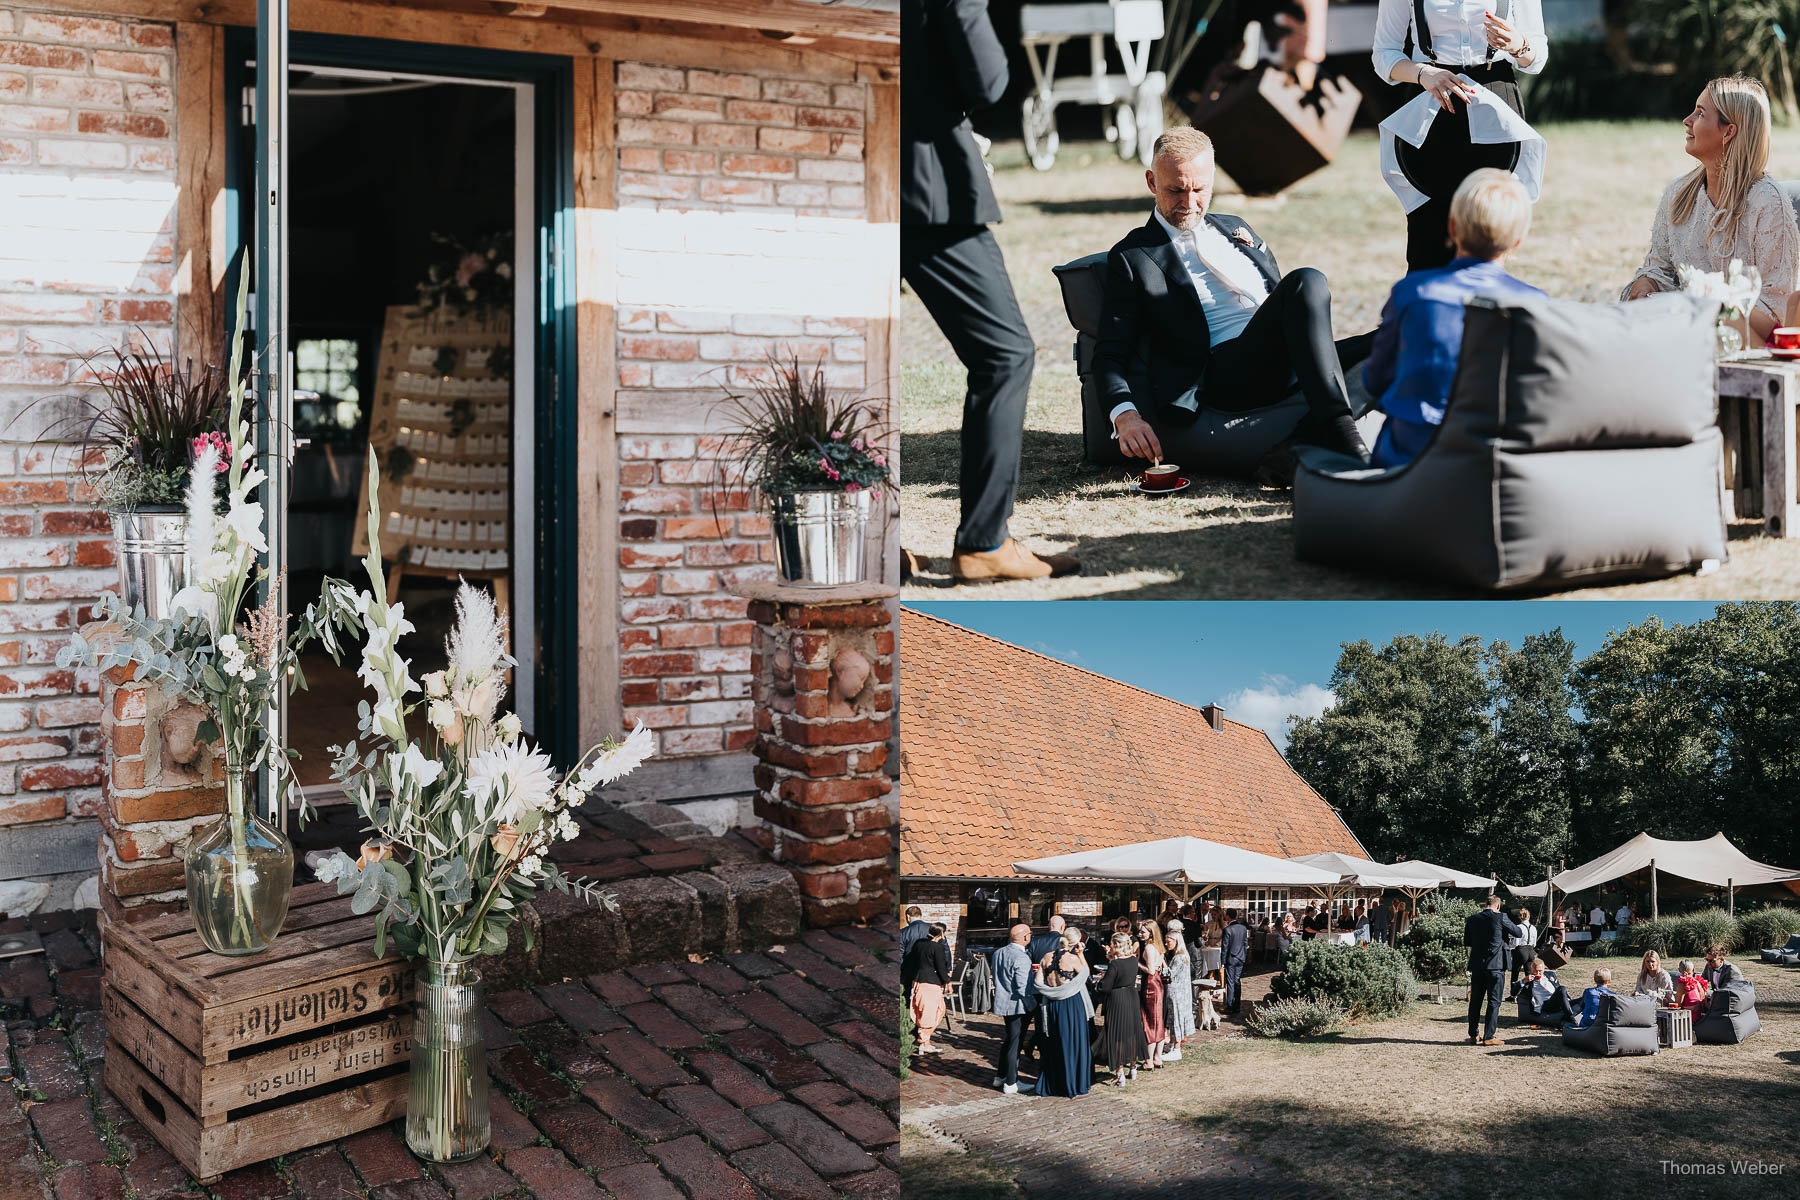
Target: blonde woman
1152	960
1181	994
1120	1043
1727	207
1652	980
1211	938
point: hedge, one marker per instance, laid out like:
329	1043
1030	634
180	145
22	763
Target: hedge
1367	982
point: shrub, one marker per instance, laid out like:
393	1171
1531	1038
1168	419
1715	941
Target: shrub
1367	982
1684	936
906	1040
1299	1017
1433	946
1767	927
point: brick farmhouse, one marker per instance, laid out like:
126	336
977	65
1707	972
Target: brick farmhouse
733	167
1010	755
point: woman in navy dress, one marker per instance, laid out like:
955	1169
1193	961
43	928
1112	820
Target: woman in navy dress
1066	1064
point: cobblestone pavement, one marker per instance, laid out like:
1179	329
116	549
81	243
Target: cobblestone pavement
755	1076
1096	1147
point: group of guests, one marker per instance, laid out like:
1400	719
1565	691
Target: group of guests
1690	987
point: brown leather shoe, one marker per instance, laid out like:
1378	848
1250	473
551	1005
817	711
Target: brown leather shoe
1492	1042
1010	561
910	565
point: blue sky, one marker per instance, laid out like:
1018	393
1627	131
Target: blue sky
1266	660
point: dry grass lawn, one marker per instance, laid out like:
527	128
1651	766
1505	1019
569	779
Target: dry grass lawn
1224	540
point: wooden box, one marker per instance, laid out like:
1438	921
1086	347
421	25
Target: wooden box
1267	131
230	1061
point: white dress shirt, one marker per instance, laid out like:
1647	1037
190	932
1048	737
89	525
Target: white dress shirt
1527	936
1458	35
1230	286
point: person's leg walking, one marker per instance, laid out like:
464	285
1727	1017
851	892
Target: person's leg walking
1234	982
1496	984
1006	1062
960	276
1474	1005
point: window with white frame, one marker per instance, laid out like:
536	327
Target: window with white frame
1266	903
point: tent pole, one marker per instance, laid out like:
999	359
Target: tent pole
1730	898
1655	913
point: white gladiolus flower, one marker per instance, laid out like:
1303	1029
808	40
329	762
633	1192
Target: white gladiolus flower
244	519
418	770
510	780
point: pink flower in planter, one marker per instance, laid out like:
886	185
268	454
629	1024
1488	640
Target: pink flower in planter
880	460
837	435
218	442
853	487
470	266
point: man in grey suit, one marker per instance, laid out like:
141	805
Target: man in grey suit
1014	998
1486	934
1234	949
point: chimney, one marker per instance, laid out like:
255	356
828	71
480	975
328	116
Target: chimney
1215	716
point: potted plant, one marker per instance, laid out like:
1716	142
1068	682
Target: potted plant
818	459
462	821
239	871
147	421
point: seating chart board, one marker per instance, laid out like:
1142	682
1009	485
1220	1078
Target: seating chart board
441	427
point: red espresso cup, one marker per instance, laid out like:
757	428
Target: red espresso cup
1162	476
1785	338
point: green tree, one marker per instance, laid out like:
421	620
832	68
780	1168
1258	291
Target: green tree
1534	755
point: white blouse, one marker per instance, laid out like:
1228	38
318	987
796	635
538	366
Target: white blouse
1458	36
1767	239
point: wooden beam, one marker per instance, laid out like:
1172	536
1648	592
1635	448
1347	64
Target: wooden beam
475	23
776	16
596	416
201	116
881	186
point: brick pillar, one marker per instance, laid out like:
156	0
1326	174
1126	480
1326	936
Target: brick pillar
821	793
159	786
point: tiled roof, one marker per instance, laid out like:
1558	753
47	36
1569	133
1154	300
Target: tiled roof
1007	754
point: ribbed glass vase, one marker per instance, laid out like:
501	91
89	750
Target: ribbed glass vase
447	1101
240	873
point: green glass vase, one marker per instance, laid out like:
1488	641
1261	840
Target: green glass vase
447	1096
240	874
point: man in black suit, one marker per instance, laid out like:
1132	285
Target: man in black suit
914	930
955	65
1234	951
1197	314
1486	934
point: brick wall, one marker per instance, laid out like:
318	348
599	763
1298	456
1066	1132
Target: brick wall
741	201
87	211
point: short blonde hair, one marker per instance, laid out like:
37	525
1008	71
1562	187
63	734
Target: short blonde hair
1603	976
1181	143
1491	211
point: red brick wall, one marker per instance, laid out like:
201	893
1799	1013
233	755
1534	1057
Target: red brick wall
87	202
741	199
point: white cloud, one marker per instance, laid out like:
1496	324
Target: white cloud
1068	656
1269	706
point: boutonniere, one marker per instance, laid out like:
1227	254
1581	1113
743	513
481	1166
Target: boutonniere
1245	236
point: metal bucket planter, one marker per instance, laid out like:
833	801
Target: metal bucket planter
152	546
819	537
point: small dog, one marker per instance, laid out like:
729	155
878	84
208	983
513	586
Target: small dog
1209	1016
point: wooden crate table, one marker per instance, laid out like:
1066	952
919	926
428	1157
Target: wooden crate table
1675	1027
230	1061
1758	396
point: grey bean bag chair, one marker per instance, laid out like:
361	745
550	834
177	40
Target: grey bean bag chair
1730	1016
1580	444
1232	442
1789	952
1625	1025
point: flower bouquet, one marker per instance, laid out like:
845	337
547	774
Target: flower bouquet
462	820
239	872
1737	288
817	458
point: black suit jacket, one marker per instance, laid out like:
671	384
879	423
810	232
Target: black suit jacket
1154	346
1043	944
1485	935
955	65
911	935
1235	945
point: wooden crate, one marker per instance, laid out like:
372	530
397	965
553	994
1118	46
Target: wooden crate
230	1061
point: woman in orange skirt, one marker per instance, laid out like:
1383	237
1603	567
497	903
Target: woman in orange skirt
931	974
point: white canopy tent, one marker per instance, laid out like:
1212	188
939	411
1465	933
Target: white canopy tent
1714	861
1187	862
1354	872
1450	877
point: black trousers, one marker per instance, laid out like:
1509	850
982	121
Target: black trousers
959	276
1439	166
1234	978
1558	1009
1006	1063
1521	963
1485	986
1288	338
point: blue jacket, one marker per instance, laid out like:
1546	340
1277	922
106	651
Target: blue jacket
1043	944
1413	361
1590	1005
1012	981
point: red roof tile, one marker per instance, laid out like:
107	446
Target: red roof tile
1007	754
